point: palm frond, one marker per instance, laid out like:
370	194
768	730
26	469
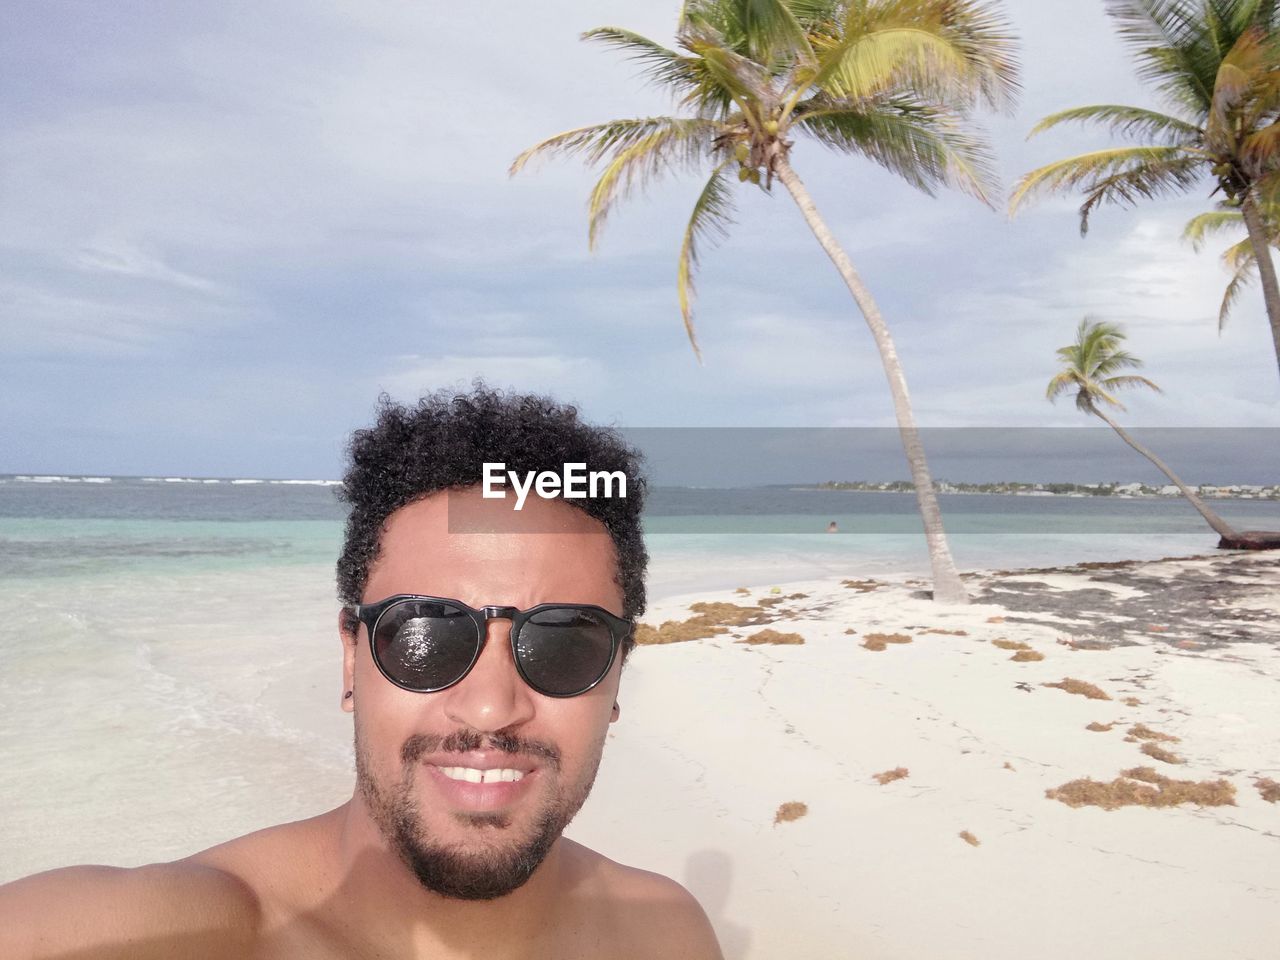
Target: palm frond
662	66
680	144
1172	46
709	223
1231	87
769	32
1144	24
1241	255
772	30
1125	121
1120	175
815	13
743	80
924	144
1205	225
1105	360
1061	383
869	65
1240	279
594	143
957	51
1129	383
1260	150
1241	259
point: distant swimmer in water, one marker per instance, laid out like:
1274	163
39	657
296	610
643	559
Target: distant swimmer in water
832	528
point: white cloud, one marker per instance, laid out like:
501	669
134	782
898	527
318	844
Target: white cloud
564	377
125	259
341	198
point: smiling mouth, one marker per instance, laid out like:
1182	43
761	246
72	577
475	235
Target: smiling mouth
472	775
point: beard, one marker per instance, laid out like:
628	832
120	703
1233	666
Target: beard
498	861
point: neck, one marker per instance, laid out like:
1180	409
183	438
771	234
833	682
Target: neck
380	902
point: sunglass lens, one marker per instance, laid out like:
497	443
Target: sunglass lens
564	651
425	645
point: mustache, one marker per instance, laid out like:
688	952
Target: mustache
464	741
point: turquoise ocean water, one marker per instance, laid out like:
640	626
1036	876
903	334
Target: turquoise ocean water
61	530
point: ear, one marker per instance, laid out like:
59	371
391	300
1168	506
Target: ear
349	635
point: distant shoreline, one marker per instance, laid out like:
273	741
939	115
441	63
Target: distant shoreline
1127	491
1123	491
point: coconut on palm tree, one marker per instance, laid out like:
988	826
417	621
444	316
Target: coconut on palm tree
1216	64
891	81
1092	369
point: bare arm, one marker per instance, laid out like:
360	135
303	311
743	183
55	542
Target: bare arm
103	913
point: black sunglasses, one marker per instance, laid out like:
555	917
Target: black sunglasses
427	644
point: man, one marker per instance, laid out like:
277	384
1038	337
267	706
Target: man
482	648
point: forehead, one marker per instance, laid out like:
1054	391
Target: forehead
456	544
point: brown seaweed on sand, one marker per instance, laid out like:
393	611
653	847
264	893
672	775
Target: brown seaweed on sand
1004	644
709	620
772	636
1072	685
1269	789
1157	752
791	810
878	641
1143	787
1140	731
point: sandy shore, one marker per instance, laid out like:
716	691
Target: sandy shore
965	855
221	716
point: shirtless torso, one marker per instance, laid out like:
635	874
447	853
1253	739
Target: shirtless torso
286	893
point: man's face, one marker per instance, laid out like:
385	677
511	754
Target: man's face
413	750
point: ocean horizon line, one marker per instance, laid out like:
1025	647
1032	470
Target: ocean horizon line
895	485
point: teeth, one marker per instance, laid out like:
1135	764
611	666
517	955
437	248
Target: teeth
472	775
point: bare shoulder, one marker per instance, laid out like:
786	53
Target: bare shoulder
212	904
160	910
650	915
279	864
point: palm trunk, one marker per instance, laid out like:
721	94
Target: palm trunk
1221	526
1266	269
947	585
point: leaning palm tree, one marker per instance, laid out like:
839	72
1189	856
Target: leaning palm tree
1216	63
892	81
1238	258
1091	370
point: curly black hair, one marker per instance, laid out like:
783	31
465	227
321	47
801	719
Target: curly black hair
442	444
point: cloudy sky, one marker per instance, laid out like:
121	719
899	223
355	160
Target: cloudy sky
225	228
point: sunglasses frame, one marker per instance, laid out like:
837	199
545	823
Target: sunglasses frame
370	614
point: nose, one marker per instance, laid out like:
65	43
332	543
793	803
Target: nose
492	696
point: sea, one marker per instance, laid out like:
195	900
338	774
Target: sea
58	531
169	661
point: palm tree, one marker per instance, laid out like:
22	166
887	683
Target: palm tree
1091	368
893	81
1216	63
1238	258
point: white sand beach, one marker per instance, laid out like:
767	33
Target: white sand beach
717	735
720	734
